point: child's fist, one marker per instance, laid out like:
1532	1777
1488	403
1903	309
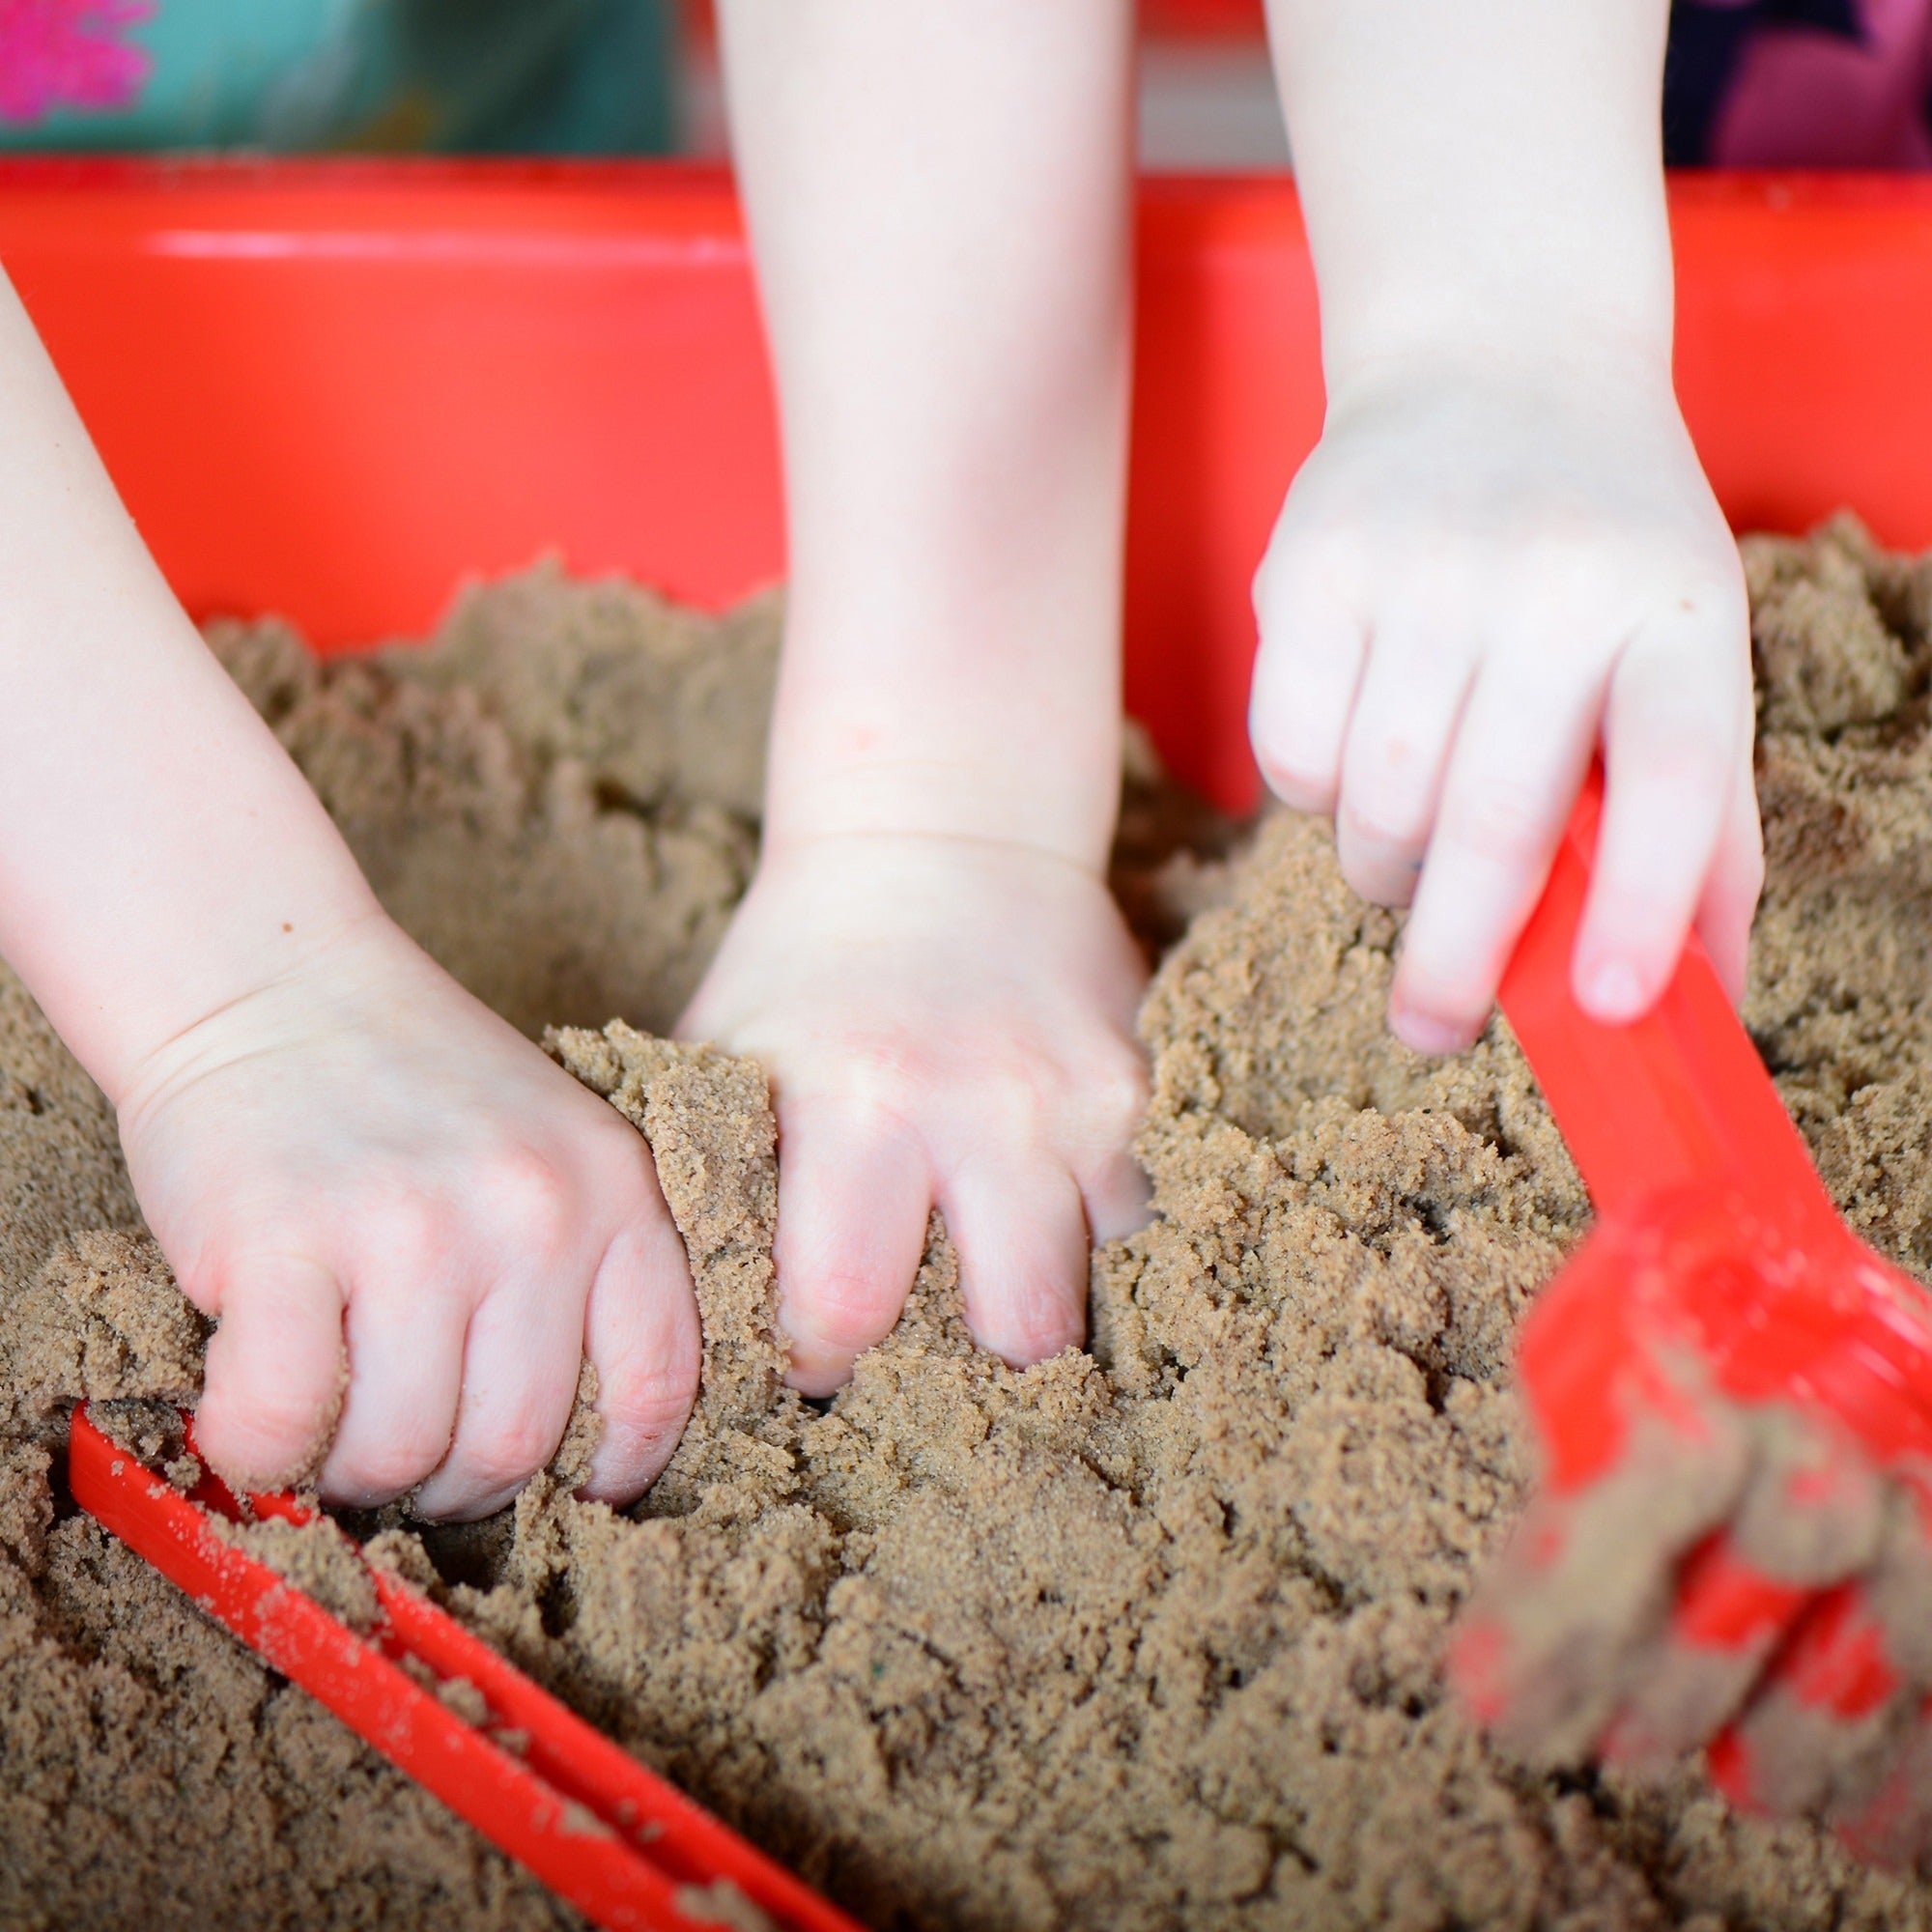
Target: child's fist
360	1168
946	1022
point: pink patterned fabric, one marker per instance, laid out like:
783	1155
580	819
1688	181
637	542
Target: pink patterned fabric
1804	98
68	54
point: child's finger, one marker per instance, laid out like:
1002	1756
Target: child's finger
1310	663
640	1332
1118	1198
1020	1233
853	1200
522	1359
1398	746
274	1382
405	1337
1670	741
1737	879
1519	758
1110	1104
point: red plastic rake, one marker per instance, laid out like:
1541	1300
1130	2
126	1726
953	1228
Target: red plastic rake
627	1849
1732	1543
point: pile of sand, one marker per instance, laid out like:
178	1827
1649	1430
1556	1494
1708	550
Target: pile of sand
1140	1638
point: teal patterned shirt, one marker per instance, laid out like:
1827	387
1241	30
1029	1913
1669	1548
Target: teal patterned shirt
293	76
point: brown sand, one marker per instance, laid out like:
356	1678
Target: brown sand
571	846
1145	1638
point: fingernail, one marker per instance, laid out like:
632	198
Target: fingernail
1038	1338
815	1375
1423	1032
1613	992
1043	1344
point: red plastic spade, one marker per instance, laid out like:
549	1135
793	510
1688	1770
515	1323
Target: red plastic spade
629	1850
1732	1540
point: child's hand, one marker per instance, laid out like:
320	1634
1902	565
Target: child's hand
928	963
1478	570
947	1021
333	1142
361	1152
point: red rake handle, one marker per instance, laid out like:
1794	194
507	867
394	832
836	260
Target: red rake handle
1678	1098
556	1830
684	1840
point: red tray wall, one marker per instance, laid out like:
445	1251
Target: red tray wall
333	389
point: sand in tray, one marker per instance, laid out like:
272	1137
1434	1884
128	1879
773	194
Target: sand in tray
1144	1637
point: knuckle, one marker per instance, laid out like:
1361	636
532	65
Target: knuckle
208	1269
410	1230
1283	568
1016	1103
1100	1117
530	1195
1386	796
1505	823
625	1192
1115	1099
1573	566
1715	594
896	1088
1679	754
1313	562
621	1157
883	1077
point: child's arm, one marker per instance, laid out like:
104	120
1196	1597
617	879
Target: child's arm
928	963
1504	543
331	1140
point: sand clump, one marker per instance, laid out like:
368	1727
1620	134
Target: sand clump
1144	1637
563	820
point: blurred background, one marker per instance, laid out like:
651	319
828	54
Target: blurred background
1207	94
506	76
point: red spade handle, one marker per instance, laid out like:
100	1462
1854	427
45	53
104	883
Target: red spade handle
1677	1098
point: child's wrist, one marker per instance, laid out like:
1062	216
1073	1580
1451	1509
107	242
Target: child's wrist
1605	359
933	801
1550	332
307	935
997	790
984	705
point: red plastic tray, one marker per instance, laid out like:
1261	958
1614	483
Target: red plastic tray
331	388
